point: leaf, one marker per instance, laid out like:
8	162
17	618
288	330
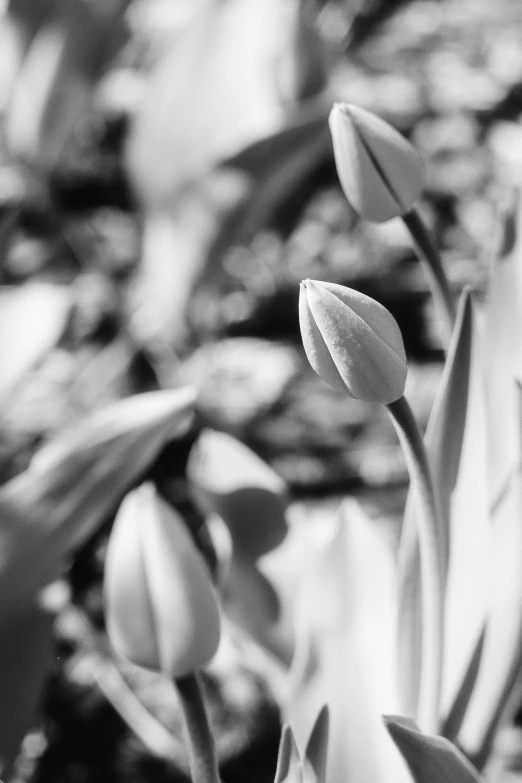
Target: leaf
288	765
279	166
444	443
430	759
36	313
502	335
345	617
502	656
208	97
25	656
316	754
66	56
453	720
75	482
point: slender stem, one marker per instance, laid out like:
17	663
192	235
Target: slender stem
432	572
201	749
430	258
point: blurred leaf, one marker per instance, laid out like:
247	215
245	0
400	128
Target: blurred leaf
213	93
430	759
502	656
302	73
75	482
288	766
36	314
345	652
502	335
279	166
8	222
444	440
453	720
316	754
229	479
66	56
25	656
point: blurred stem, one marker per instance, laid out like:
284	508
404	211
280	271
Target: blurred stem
432	579
201	749
431	261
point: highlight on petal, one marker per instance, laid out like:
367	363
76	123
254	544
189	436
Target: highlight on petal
430	759
352	342
161	607
381	173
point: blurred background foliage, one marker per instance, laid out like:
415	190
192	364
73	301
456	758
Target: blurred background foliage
166	179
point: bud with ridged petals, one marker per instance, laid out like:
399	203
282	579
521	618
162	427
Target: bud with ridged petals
161	607
382	175
352	342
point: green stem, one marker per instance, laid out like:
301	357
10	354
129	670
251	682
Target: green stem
430	258
201	749
432	572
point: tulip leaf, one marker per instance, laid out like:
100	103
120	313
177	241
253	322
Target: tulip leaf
316	754
444	440
453	720
288	766
502	656
278	165
502	334
345	615
430	759
25	655
73	484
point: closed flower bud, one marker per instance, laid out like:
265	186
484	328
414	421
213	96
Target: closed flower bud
352	342
160	603
229	479
381	173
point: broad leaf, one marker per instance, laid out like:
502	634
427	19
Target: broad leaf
502	655
430	759
75	482
444	442
25	656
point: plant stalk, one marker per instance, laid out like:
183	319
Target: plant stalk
199	741
432	572
430	259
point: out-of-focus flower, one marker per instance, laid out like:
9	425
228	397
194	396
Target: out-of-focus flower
381	173
161	608
231	480
352	342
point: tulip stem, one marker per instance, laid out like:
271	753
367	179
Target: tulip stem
431	261
199	741
432	573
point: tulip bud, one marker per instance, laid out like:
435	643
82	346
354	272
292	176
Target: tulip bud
381	173
229	479
160	603
352	342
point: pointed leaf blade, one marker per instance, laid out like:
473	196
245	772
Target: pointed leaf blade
430	759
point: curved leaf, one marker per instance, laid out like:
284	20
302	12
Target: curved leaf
430	759
75	482
444	441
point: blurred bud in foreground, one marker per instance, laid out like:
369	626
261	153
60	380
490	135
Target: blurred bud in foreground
381	173
161	608
352	342
231	480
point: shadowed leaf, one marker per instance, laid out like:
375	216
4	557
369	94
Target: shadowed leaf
444	440
430	759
